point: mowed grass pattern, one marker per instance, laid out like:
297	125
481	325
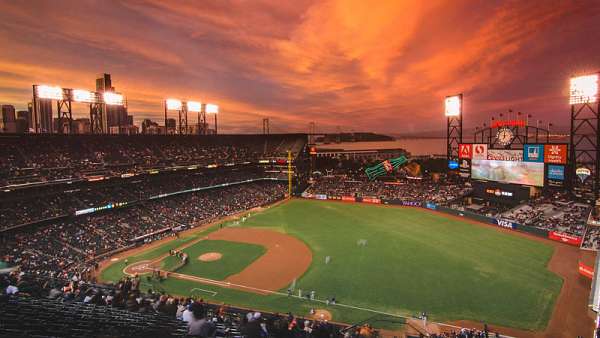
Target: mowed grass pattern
414	261
236	257
417	260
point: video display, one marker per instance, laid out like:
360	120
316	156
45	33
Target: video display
517	172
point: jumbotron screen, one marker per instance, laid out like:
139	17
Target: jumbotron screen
517	172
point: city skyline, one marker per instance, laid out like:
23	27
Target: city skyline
383	68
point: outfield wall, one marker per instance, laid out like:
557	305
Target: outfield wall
504	223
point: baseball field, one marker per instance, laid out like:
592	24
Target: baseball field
372	259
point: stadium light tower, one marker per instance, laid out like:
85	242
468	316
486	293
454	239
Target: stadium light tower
213	109
453	113
584	142
62	97
172	104
195	107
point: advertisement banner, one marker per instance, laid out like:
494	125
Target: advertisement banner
348	198
503	223
586	271
430	205
555	153
371	200
480	151
556	172
465	168
320	197
411	203
452	164
465	151
565	238
533	153
505	155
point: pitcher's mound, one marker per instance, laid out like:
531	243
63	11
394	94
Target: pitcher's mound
210	256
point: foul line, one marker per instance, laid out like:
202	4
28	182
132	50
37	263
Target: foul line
230	285
214	293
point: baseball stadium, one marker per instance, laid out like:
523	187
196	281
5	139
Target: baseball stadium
469	208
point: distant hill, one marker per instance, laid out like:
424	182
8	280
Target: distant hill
353	137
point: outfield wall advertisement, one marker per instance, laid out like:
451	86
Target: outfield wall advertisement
504	223
565	238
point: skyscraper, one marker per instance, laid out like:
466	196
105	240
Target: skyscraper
45	115
113	116
8	119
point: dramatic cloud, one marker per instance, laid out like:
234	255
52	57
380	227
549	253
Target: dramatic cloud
383	66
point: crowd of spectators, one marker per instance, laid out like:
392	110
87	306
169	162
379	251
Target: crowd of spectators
25	206
591	240
404	190
73	241
554	212
199	318
42	158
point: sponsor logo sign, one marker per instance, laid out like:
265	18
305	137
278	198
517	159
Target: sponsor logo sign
505	223
480	151
307	195
583	173
505	155
452	164
565	238
498	192
411	204
508	123
465	151
586	271
348	198
465	168
430	205
555	153
371	200
320	197
556	172
533	153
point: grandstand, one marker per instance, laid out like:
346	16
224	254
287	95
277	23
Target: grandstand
85	221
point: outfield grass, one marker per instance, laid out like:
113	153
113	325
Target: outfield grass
236	256
414	261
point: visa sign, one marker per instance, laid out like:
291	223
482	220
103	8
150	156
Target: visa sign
504	223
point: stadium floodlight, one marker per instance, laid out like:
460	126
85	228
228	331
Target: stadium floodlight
194	106
81	95
211	108
111	98
49	92
173	104
584	89
453	104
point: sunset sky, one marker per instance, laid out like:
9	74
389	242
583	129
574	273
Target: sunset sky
382	66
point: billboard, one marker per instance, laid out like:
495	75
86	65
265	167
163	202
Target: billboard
465	168
555	153
565	238
533	153
505	155
452	165
516	172
465	151
503	223
556	172
480	151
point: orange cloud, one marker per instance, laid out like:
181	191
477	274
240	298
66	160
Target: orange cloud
382	66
